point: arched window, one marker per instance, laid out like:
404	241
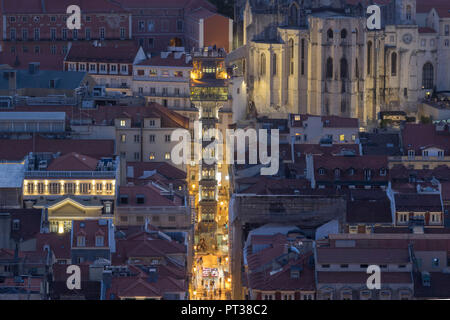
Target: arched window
274	64
330	34
293	15
344	69
262	64
428	76
329	74
302	56
291	49
408	13
291	57
356	68
343	34
369	57
394	64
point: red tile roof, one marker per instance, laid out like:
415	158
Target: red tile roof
418	202
59	6
11	149
328	121
163	168
116	52
345	163
169	61
29	223
145	245
152	197
367	255
90	229
442	7
361	277
426	30
186	4
59	244
73	162
419	136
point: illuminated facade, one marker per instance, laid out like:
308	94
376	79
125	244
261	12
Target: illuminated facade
71	194
317	57
209	94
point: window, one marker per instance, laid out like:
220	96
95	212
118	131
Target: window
151	42
75	34
293	15
136	138
37	49
88	33
321	171
447	30
302	55
394	64
122	33
123	138
403	217
37	34
55	188
151	156
123	123
99	241
24	34
151	26
367	174
369	57
427	76
344	69
141	26
102	33
167	138
167	156
137	156
64	34
274	64
13	34
411	154
180	25
81	241
329	69
408	13
382	172
330	34
262	70
343	34
291	56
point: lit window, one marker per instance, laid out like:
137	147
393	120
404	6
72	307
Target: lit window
81	241
167	156
342	137
122	123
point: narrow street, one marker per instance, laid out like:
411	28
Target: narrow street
211	279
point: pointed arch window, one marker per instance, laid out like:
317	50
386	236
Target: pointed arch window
293	15
393	64
262	70
369	57
344	68
428	76
274	64
329	69
408	13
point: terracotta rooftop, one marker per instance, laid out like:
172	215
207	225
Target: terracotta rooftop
118	52
73	162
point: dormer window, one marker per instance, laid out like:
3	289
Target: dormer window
425	154
16	225
367	174
123	123
440	154
337	173
411	154
81	241
140	199
99	241
124	199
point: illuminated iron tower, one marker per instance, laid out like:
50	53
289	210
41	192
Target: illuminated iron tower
209	93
